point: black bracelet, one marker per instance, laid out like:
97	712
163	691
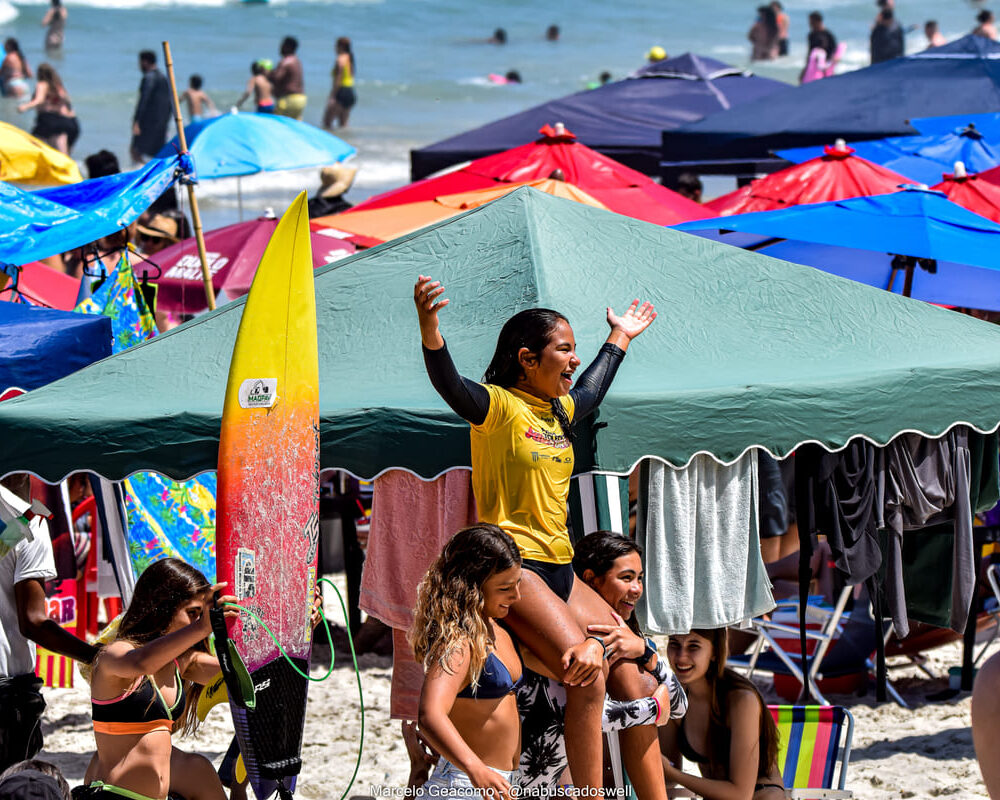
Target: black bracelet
600	641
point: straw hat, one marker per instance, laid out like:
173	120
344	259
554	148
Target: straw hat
160	227
336	179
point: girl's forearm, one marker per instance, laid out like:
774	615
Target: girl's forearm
157	654
706	788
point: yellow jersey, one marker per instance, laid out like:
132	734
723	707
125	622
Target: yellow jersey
521	469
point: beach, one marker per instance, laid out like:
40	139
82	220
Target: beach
922	752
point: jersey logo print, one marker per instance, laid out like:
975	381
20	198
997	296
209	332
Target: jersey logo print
546	438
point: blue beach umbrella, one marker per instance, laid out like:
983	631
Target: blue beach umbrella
924	158
237	144
988	123
914	242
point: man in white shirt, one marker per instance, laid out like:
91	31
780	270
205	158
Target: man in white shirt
23	622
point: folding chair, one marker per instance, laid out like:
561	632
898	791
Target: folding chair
843	645
814	750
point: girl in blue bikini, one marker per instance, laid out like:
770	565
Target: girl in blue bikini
468	709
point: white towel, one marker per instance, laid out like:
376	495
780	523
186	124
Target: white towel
699	531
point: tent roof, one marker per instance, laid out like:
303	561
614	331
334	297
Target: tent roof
835	175
747	351
623	119
620	188
39	345
870	103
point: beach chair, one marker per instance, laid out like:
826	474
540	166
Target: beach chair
814	750
843	645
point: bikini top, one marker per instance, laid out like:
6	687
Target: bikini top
139	709
689	753
495	681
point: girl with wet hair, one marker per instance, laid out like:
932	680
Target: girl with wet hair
727	731
522	419
146	683
468	709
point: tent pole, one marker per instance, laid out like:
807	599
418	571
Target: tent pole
206	276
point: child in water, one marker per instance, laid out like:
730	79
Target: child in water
200	105
260	87
143	685
468	710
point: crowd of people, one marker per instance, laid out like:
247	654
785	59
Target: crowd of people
277	89
768	37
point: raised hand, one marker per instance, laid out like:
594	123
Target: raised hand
426	294
634	321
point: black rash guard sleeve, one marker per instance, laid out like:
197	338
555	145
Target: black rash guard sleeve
594	383
468	399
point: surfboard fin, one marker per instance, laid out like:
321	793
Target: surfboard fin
239	684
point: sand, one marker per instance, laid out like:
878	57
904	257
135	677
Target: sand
922	752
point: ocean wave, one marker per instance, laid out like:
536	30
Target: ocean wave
7	12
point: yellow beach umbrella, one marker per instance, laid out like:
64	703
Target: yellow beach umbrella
392	221
25	159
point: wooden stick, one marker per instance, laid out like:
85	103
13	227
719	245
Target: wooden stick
206	276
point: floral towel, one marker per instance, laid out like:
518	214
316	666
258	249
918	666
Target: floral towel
164	517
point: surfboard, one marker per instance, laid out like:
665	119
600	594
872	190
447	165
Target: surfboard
268	502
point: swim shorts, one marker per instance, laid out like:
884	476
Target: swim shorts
558	577
268	109
292	105
345	97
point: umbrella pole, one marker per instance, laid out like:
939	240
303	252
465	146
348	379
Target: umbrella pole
908	281
239	195
206	276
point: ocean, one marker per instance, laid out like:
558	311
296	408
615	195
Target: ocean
422	65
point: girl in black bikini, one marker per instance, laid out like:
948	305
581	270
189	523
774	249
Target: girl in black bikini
139	692
727	731
522	460
468	710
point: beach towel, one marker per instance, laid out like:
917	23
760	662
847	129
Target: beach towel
411	521
698	527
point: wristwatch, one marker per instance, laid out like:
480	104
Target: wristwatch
649	652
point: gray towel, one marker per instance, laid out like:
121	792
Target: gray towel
699	530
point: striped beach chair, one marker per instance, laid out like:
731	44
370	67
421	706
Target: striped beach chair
814	749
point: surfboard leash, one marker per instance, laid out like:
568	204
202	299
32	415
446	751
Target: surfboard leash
329	672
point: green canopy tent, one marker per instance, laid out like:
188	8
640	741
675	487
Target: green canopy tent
747	351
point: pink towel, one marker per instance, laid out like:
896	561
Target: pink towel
411	521
407	679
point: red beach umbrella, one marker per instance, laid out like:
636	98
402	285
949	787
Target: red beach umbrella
618	187
234	253
836	175
974	192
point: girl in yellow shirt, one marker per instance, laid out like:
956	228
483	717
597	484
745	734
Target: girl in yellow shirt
522	459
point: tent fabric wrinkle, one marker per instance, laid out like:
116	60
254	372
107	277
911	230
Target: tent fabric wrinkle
719	372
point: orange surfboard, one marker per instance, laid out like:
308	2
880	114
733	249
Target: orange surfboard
268	500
